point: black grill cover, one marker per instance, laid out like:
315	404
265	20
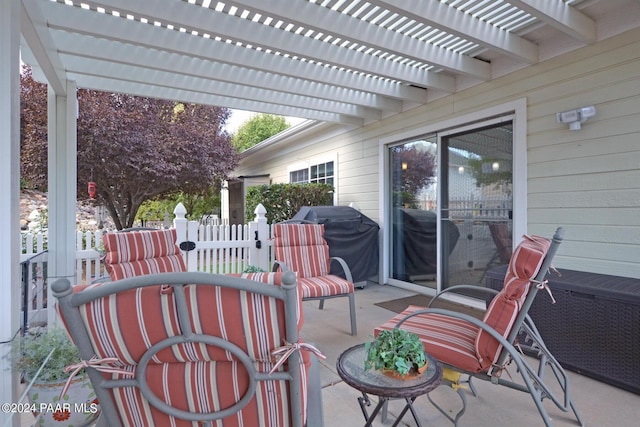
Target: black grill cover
351	236
415	246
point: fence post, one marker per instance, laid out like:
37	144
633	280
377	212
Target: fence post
180	224
192	255
259	233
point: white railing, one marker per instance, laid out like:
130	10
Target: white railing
89	265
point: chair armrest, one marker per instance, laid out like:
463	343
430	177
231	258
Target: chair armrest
345	267
279	265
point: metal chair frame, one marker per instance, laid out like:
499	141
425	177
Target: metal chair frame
69	303
533	377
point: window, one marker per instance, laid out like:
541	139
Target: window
300	176
322	173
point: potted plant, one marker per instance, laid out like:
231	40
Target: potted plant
396	352
79	405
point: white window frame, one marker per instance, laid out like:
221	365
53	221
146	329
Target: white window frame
314	161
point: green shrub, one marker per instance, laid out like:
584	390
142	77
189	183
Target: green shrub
30	352
197	205
283	201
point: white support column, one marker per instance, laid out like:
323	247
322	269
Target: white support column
9	196
62	188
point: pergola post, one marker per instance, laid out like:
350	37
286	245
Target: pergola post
62	189
10	195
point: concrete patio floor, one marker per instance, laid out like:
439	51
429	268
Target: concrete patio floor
599	404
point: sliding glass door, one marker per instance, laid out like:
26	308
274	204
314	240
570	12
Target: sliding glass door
451	204
413	228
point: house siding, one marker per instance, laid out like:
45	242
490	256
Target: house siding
587	181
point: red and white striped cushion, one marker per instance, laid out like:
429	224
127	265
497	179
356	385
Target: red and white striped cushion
460	343
316	287
302	248
127	324
205	387
273	278
449	340
142	252
501	314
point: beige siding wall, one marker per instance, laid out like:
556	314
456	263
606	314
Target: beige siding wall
587	181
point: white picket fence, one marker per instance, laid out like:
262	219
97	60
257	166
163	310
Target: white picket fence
225	249
217	249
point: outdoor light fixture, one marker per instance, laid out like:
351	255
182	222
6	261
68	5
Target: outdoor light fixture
575	118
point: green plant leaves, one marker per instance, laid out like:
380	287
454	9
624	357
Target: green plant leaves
397	350
283	201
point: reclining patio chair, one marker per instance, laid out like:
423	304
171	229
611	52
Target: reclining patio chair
483	348
302	248
137	252
193	349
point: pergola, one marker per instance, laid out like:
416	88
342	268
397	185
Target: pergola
349	62
345	61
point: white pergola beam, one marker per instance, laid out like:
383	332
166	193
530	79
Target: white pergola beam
152	91
35	32
80	67
117	29
562	17
329	22
256	34
447	18
77	47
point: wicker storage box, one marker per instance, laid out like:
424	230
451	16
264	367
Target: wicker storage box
594	327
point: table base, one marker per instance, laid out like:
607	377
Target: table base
382	402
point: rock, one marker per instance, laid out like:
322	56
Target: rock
33	204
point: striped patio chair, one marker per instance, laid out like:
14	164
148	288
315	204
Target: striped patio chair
483	348
213	350
137	252
302	248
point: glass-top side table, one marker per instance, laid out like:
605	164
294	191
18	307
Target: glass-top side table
350	366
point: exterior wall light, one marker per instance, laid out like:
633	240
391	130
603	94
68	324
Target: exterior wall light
575	118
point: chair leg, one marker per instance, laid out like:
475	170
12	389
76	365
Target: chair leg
460	413
563	400
352	310
315	417
321	304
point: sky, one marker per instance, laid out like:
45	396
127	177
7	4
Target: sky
238	117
